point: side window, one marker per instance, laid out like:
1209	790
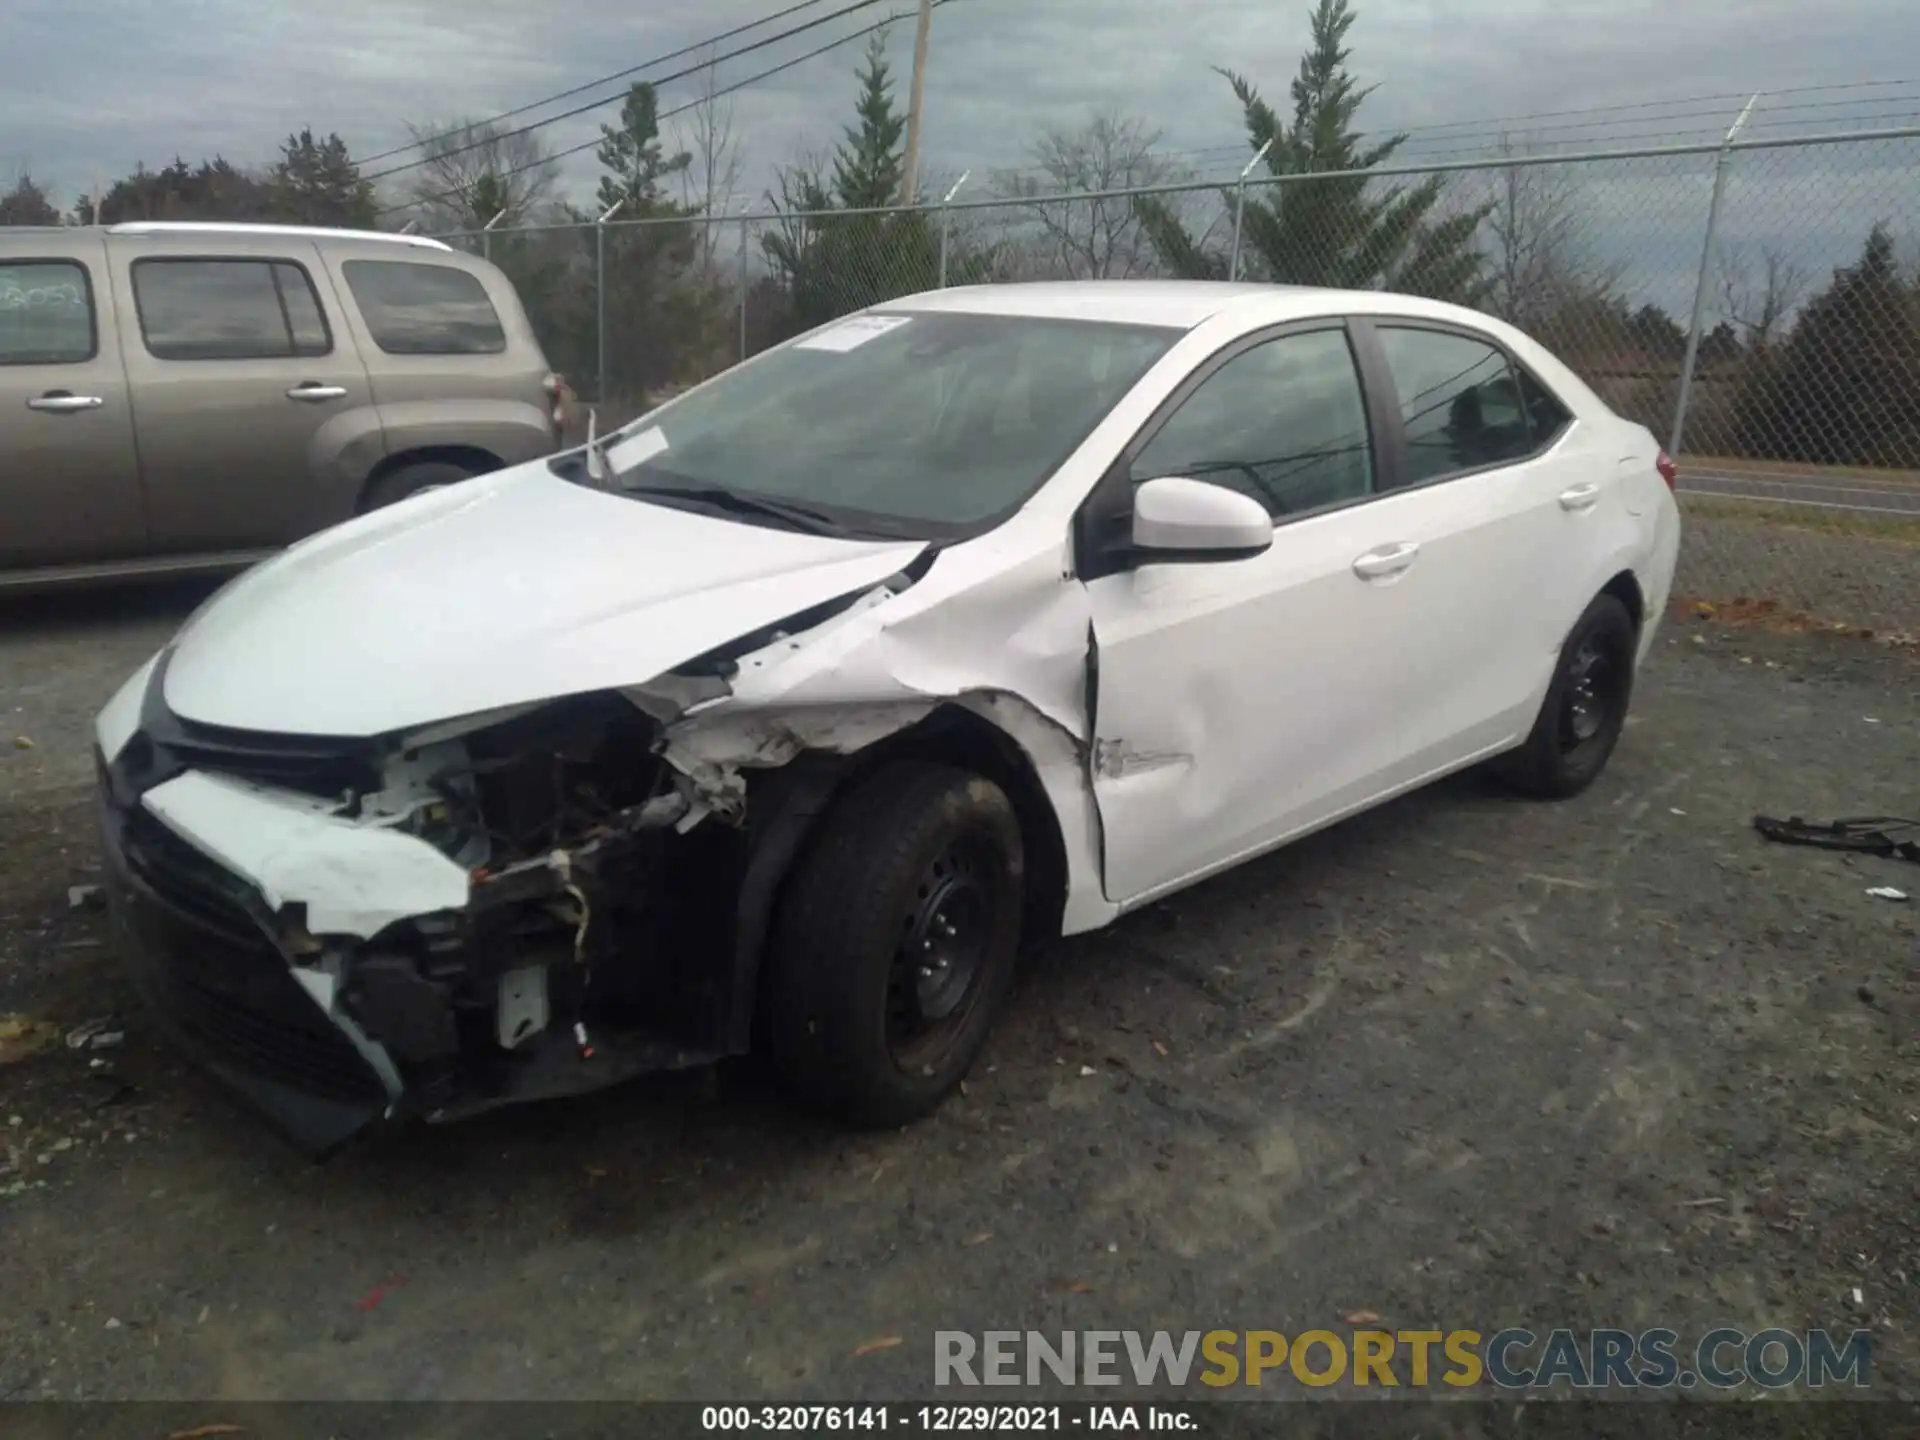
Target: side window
1546	416
413	308
1458	400
228	310
46	313
1284	422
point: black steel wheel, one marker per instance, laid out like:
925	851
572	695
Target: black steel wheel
1585	709
894	942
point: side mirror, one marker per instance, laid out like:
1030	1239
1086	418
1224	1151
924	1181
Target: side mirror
1178	519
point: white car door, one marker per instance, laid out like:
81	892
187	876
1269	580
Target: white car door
1240	701
1510	514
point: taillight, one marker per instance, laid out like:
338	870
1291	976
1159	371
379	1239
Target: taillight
1669	472
556	388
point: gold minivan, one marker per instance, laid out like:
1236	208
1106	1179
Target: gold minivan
185	397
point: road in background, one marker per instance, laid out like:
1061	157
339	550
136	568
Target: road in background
1811	487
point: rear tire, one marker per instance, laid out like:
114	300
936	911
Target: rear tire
410	480
894	943
1584	712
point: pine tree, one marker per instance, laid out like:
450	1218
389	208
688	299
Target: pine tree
832	265
635	165
1845	389
868	168
315	182
27	204
657	301
1348	231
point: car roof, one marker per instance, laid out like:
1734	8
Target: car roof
1178	304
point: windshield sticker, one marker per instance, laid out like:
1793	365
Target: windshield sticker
852	334
637	449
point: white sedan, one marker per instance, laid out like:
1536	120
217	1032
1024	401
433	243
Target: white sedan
784	716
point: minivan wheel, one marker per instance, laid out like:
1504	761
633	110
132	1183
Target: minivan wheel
894	943
1585	709
415	479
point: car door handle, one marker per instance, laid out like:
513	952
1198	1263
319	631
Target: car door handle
1579	497
61	403
312	392
1387	560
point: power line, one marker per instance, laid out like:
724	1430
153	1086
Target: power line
766	74
581	89
528	129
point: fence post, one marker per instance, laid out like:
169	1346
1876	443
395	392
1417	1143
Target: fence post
946	224
486	235
600	298
1240	207
1720	164
743	286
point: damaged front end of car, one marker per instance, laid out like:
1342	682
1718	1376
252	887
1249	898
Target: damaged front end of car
513	906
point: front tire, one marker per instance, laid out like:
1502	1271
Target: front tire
894	943
1585	709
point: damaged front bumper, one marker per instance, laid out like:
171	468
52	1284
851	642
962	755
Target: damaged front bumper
336	971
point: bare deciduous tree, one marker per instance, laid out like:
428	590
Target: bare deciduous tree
709	183
1539	257
1758	298
472	171
1089	239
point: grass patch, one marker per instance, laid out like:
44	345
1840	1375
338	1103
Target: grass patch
1901	529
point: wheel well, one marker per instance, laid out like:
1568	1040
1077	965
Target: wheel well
1624	588
471	458
956	736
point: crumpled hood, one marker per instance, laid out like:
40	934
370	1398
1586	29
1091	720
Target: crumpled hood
512	588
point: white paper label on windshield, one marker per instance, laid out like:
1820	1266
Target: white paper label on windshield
637	449
852	334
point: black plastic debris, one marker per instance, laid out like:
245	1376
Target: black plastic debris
1884	835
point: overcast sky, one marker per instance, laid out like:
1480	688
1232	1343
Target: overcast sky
91	86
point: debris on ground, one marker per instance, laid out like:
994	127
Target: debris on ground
102	1033
22	742
1886	892
885	1342
1886	835
22	1036
84	897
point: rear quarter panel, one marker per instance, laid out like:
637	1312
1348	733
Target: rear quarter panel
494	403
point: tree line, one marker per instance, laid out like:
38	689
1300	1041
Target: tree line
1785	373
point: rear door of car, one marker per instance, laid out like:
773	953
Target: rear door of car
252	410
1502	513
69	481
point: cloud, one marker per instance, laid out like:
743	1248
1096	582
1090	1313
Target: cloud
90	86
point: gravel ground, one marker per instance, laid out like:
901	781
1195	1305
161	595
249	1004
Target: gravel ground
1464	1062
1850	579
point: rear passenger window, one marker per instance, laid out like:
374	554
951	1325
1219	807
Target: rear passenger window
228	310
419	309
1459	402
1546	416
46	313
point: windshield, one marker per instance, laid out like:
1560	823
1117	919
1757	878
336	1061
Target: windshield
925	425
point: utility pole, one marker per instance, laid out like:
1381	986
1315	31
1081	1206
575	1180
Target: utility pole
910	176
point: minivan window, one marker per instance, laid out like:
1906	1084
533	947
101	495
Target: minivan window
46	313
413	308
204	309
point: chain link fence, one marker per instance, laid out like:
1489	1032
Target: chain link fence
1756	305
